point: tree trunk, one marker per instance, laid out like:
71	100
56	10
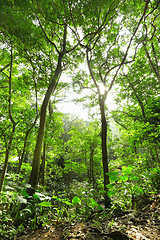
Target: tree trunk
104	152
43	164
21	157
91	174
24	146
6	159
37	153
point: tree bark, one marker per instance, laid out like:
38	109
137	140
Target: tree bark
43	164
91	174
104	151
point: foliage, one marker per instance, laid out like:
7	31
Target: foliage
119	42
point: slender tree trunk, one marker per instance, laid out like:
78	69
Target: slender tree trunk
43	164
104	152
37	153
6	158
24	146
22	156
91	175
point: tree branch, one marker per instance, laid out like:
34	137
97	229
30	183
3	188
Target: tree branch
91	73
126	53
156	61
47	36
138	99
10	89
119	123
2	69
129	115
151	62
153	9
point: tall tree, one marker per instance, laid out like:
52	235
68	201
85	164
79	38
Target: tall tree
105	59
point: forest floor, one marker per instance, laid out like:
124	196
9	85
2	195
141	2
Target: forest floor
142	224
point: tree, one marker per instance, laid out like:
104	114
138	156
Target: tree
104	63
138	99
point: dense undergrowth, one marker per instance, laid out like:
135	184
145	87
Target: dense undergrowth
20	213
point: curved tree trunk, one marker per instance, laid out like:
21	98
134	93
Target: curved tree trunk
37	153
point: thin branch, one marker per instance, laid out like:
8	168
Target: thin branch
10	90
4	87
49	20
126	53
129	115
5	75
64	38
104	23
90	88
151	62
154	27
91	73
116	67
47	36
91	34
138	99
156	61
2	69
122	125
153	9
75	27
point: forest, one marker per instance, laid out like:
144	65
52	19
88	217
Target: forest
62	176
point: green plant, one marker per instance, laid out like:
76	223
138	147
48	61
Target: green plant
126	185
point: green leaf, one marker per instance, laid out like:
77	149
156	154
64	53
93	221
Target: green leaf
67	202
25	194
111	193
123	178
139	190
45	204
95	204
76	200
127	170
134	178
113	178
61	200
36	196
27	185
110	185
